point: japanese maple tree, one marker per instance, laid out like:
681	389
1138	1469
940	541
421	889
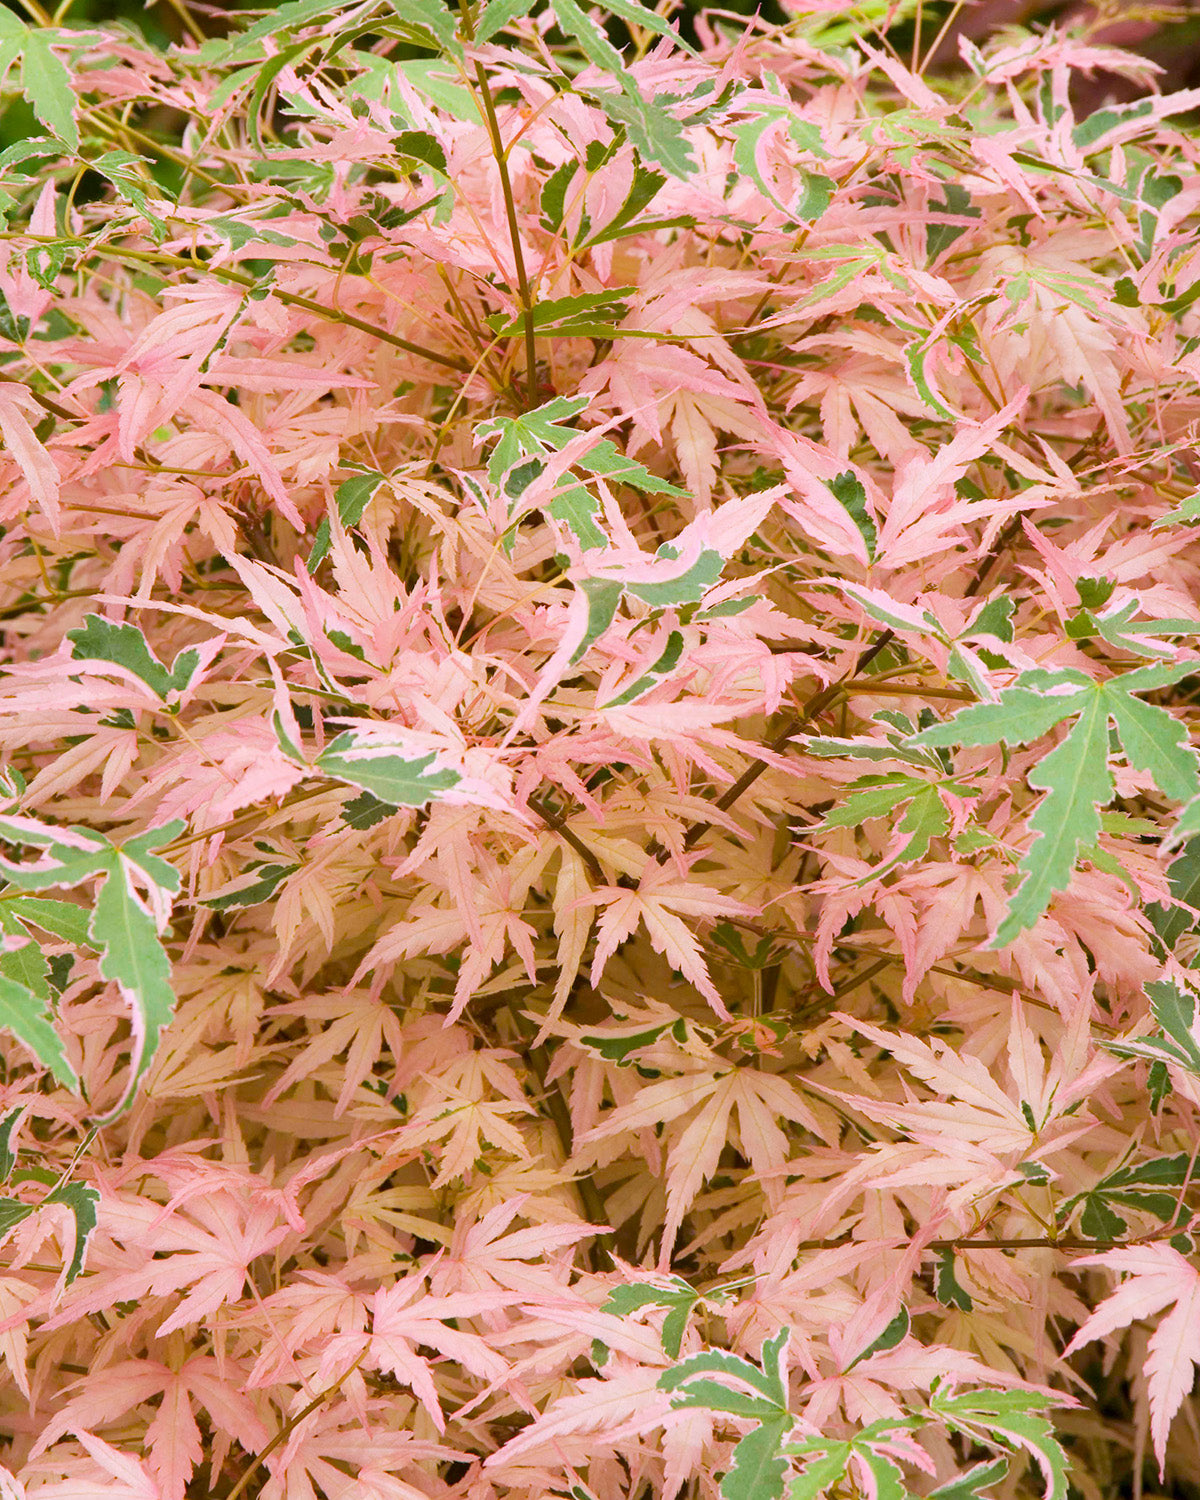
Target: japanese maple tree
599	799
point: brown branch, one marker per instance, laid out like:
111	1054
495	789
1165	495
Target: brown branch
816	705
289	299
986	561
289	1427
524	292
43	401
554	822
1018	1242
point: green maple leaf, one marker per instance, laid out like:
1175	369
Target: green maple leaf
75	1196
1008	1420
927	816
826	1460
525	442
1075	775
351	501
540	431
387	773
1174	1008
24	1012
678	1298
123	928
125	646
703	1380
45	78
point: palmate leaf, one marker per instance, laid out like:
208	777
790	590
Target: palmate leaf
678	1298
385	771
75	1196
715	1380
45	80
586	315
125	646
926	818
946	1286
1147	1187
1119	628
830	1458
132	955
123	927
653	130
1174	1008
1077	781
27	1016
526	441
820	1475
969	1486
1075	775
540	431
895	1333
351	501
768	1381
848	491
1172	921
8	1155
62	918
1008	1420
688	587
259	882
759	1467
654	674
82	1201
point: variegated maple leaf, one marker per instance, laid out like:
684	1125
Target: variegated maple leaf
404	1319
172	1437
1160	1277
710	1100
660	902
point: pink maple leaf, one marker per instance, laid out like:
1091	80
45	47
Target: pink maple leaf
1159	1276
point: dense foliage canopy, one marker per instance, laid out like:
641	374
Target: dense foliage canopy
600	825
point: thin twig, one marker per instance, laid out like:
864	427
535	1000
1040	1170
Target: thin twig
289	1427
1002	1242
524	292
817	704
568	835
992	556
289	299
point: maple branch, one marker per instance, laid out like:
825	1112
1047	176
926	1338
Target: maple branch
40	16
556	1107
124	134
853	982
188	20
991	556
817	704
569	836
822	699
43	401
289	299
289	1427
1015	1242
524	293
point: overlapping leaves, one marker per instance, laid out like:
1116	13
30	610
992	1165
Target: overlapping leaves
1075	775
